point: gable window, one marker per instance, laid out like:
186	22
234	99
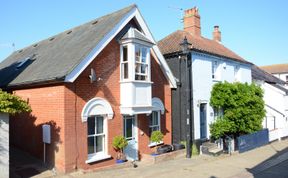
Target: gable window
124	63
214	69
141	65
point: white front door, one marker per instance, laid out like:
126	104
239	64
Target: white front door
130	133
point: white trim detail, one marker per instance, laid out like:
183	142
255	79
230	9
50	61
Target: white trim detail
158	105
155	144
98	158
72	76
97	106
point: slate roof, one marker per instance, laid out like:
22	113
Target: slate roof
260	74
57	56
276	68
170	45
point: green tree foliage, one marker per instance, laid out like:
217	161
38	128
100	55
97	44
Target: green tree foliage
243	108
12	104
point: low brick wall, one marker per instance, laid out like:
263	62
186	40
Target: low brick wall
4	145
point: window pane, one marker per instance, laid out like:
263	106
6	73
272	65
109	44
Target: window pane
91	126
125	70
137	68
99	143
90	145
144	54
137	53
129	126
143	68
99	125
125	52
155	118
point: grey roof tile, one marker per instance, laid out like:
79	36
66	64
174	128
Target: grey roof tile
57	56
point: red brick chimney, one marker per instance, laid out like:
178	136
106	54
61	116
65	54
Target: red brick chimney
216	34
192	21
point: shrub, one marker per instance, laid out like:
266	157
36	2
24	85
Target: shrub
156	136
12	104
243	107
119	143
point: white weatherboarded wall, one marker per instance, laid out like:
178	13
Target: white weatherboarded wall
203	84
4	145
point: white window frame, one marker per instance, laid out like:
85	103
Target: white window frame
236	73
124	62
140	63
215	67
98	156
151	144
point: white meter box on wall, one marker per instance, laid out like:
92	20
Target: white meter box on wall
46	133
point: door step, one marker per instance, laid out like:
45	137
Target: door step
211	149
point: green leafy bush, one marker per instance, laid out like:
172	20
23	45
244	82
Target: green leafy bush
12	104
156	136
243	108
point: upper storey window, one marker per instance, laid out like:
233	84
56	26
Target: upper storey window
215	70
141	65
135	56
124	63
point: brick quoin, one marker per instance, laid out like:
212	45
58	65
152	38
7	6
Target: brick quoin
61	106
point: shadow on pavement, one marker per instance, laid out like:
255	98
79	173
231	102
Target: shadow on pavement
271	167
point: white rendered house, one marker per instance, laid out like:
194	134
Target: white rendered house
276	103
212	62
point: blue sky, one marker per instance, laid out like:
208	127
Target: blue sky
256	30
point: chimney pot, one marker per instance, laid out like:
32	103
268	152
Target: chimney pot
192	21
216	34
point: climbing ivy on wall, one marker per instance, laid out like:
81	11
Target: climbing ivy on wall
12	104
243	107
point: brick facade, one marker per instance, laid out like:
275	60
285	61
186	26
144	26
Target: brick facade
61	106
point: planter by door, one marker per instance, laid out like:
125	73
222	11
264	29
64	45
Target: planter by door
130	133
203	121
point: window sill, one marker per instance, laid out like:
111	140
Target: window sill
136	81
216	80
97	158
155	144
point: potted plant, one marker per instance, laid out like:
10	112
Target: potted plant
119	143
156	137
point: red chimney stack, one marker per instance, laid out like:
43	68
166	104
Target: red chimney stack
216	34
192	21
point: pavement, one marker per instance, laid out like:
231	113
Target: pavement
267	161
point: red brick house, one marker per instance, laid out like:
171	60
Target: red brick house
90	83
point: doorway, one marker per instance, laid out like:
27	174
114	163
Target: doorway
203	120
130	133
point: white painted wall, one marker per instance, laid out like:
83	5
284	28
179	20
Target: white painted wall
282	76
276	107
203	83
4	145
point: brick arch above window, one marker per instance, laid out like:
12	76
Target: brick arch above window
97	106
158	105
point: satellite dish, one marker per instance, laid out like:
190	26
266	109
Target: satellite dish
92	76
